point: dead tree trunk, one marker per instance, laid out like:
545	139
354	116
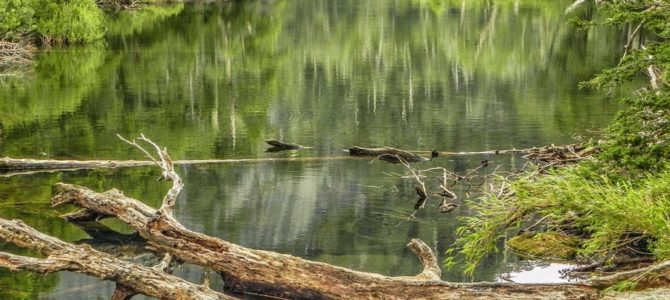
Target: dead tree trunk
264	272
387	154
273	274
61	256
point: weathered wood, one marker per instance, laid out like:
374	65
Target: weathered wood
62	256
9	164
282	146
387	154
15	167
654	275
274	274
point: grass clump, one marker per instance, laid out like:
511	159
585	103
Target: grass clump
610	217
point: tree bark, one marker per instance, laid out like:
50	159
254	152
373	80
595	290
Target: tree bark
62	256
280	275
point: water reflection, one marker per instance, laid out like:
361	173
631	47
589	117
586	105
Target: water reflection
350	213
216	80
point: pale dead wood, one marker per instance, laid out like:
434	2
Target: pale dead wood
279	275
651	275
62	256
165	163
15	57
274	274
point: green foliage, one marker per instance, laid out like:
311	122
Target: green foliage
16	19
631	196
54	21
652	14
607	212
126	23
73	21
639	139
633	65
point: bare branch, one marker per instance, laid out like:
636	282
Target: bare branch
38	265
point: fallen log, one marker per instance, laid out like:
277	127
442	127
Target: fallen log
15	166
280	275
26	166
281	146
273	274
387	154
651	276
61	256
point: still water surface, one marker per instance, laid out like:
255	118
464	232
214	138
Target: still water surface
214	81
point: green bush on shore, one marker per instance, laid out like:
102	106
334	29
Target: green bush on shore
51	21
17	19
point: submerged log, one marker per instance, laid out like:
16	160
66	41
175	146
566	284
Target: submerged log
62	256
14	166
281	146
280	275
11	164
387	154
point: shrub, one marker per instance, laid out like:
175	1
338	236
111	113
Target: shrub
16	19
68	21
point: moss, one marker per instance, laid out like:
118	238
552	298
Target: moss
551	245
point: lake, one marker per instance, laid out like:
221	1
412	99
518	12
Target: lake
213	81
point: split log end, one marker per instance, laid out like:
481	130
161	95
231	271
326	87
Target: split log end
431	268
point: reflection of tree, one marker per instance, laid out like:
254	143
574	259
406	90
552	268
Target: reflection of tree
214	80
61	79
24	285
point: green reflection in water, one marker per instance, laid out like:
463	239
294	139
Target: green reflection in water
216	80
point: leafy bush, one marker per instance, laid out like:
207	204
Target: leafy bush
16	19
68	21
54	21
639	139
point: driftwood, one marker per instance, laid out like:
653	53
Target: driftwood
387	154
281	146
14	55
13	166
273	274
560	155
653	275
242	269
62	256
